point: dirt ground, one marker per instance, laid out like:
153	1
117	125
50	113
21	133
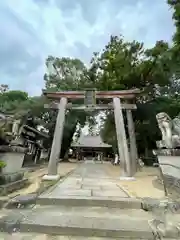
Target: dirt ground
144	185
35	177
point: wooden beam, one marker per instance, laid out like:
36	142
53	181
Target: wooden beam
54	105
120	94
99	94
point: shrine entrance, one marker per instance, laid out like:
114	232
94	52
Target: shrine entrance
117	101
90	146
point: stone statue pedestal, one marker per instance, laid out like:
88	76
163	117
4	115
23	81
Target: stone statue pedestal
168	152
169	162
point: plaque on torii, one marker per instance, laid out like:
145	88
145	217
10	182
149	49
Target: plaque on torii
90	99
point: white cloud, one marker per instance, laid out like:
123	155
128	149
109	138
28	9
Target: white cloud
33	29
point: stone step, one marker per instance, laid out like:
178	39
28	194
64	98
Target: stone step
48	222
14	215
104	212
112	202
88	222
36	236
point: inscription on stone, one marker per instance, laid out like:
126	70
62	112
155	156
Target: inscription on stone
90	98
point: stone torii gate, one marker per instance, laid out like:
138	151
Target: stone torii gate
118	100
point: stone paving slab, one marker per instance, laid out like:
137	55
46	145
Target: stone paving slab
90	187
112	188
87	180
69	186
72	192
72	180
109	193
99	182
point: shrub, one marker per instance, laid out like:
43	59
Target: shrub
2	164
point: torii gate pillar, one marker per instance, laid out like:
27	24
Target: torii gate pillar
57	142
122	141
132	141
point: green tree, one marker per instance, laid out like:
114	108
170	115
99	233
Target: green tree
107	131
175	5
20	105
126	65
65	74
9	100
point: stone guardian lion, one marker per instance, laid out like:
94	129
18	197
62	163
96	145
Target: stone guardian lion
170	130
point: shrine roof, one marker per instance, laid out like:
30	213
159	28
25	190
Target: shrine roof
88	141
35	131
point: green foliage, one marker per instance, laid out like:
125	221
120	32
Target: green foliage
9	100
126	65
175	5
64	74
33	105
19	105
2	164
108	132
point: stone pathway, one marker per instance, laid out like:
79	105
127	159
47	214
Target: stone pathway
88	180
88	203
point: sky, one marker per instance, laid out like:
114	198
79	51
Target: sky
33	29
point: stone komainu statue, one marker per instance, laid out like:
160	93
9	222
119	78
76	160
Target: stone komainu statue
170	129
